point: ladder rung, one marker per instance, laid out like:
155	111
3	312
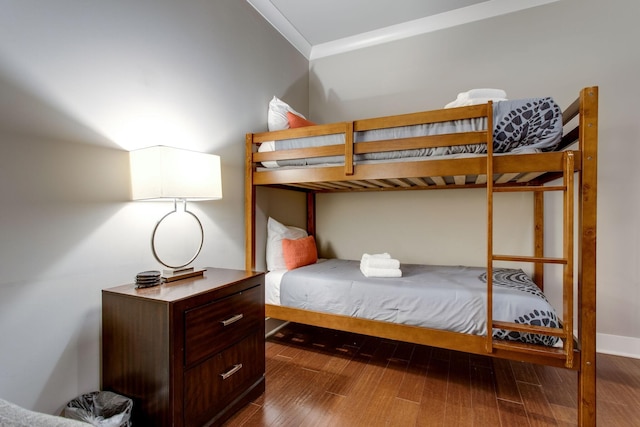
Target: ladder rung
545	260
513	189
532	329
558	353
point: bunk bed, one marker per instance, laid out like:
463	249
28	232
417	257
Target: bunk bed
567	165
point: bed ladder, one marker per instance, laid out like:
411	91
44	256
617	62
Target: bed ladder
566	333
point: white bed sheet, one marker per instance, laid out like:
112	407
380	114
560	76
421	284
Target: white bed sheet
272	286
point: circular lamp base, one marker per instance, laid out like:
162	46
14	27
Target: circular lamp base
176	231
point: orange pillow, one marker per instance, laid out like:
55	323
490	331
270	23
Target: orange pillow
296	121
299	252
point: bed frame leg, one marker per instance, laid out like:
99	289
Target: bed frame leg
587	396
587	268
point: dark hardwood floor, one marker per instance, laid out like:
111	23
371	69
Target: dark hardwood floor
318	377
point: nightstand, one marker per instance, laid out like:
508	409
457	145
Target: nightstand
189	352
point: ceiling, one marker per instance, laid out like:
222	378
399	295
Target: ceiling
319	28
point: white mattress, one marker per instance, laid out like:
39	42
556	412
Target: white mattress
272	282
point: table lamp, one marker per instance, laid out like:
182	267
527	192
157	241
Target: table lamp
165	173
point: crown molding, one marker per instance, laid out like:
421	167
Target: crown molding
465	15
282	24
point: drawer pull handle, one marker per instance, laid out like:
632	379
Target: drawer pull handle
231	371
231	320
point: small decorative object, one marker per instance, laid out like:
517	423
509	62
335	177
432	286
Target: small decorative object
147	279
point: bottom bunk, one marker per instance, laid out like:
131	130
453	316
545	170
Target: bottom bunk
440	306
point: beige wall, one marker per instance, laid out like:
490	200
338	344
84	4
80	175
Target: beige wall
428	227
552	50
81	83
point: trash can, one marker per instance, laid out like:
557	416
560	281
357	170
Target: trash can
101	409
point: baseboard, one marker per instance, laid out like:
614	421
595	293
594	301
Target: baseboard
618	345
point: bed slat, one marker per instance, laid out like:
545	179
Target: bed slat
507	177
420	182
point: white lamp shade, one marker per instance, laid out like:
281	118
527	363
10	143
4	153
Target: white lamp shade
161	172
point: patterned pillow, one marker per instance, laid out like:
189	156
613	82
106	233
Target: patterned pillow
536	123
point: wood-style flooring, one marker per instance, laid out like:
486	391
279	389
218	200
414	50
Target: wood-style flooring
319	377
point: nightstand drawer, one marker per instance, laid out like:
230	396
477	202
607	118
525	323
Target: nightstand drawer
213	384
217	325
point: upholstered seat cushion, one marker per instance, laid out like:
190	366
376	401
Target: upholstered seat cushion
12	415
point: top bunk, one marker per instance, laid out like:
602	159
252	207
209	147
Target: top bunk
446	148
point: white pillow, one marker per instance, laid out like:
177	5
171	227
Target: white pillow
265	147
277	114
275	233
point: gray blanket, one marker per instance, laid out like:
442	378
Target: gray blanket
518	124
451	298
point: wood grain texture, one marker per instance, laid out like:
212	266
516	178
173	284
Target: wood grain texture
165	347
321	377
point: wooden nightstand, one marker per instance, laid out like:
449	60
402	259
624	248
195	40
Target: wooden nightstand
189	352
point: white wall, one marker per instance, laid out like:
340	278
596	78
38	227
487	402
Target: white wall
80	83
552	50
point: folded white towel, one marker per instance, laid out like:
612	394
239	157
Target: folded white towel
477	96
472	101
380	263
368	256
380	272
486	93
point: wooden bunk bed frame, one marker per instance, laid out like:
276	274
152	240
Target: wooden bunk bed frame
534	173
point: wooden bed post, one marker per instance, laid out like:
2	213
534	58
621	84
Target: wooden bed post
311	214
538	237
568	227
490	254
587	261
249	208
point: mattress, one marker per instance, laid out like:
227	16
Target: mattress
450	298
533	123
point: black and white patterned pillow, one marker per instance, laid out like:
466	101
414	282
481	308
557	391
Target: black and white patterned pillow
527	125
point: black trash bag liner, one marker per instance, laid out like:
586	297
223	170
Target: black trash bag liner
101	408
